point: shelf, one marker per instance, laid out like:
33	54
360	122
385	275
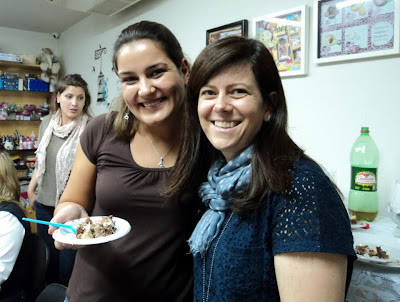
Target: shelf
21	98
24	179
7	64
20	151
21	154
25	92
28	155
20	120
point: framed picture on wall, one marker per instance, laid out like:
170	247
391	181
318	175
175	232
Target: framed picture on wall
351	29
238	28
284	33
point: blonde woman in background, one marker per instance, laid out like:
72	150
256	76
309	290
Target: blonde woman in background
15	237
58	139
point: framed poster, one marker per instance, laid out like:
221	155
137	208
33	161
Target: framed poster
284	34
354	29
238	28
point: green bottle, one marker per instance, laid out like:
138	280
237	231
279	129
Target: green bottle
364	159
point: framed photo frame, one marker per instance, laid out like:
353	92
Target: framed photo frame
355	29
238	28
284	33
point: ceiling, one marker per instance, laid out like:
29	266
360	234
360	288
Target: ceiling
38	16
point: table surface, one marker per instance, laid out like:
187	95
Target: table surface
377	282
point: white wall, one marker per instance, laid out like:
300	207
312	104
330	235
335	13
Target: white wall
326	108
25	42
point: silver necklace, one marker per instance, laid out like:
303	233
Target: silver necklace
161	163
206	296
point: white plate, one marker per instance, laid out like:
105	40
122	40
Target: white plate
64	235
393	260
359	225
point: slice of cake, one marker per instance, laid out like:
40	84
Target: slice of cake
101	228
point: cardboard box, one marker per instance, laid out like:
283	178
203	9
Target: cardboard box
10	57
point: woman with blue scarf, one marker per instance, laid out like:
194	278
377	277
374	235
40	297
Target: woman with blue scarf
275	228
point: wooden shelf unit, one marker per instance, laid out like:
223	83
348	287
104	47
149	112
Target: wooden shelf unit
21	98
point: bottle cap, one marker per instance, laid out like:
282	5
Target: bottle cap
364	129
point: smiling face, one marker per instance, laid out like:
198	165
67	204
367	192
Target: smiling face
72	101
231	110
152	85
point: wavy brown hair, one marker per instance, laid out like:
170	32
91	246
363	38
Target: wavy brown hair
274	152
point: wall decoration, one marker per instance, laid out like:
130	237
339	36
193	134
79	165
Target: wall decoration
117	93
355	29
284	34
238	28
101	87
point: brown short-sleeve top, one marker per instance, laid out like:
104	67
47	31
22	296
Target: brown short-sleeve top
152	262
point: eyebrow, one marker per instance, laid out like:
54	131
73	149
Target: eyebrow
228	87
79	95
160	64
71	93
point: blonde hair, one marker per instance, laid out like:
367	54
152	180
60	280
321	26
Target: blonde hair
9	184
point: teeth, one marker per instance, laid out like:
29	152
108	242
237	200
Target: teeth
151	104
224	124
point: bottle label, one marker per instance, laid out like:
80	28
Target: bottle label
364	179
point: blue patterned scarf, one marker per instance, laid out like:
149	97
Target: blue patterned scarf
225	182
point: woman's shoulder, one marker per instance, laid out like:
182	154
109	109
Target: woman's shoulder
13	208
310	215
98	130
8	217
310	183
102	121
306	163
98	118
46	120
307	168
103	118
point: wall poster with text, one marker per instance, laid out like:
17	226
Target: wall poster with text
354	29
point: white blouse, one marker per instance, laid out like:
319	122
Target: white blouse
12	235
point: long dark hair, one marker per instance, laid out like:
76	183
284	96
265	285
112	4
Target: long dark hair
274	151
192	164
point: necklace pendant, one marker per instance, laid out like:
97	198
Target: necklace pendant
160	164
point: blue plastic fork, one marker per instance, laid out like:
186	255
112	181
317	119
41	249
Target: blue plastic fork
51	223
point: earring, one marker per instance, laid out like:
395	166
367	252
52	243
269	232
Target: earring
126	116
267	118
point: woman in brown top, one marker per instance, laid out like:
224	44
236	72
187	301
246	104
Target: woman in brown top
130	164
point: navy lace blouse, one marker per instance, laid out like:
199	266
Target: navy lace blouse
310	217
